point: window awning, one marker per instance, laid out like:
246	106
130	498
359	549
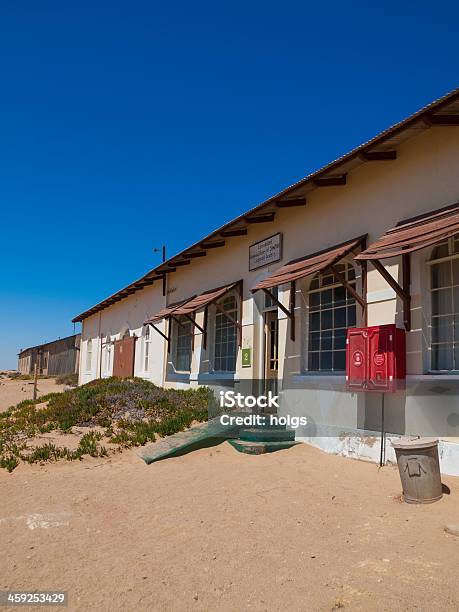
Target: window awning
191	305
414	234
204	299
165	312
311	264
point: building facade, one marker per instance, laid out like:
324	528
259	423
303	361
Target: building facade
269	297
55	358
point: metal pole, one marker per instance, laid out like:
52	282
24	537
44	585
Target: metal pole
164	276
382	454
35	378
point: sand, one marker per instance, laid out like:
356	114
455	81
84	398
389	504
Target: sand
218	530
14	391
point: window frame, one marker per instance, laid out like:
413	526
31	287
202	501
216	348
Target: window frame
453	254
217	315
89	352
108	354
348	302
178	332
146	348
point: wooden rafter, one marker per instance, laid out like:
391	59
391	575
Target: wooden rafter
266	218
166	338
193	321
195	254
330	181
341	278
442	120
212	245
241	231
378	155
291	202
402	292
164	271
364	268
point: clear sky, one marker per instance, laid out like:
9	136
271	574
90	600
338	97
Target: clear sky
124	126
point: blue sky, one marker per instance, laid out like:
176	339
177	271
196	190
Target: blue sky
128	125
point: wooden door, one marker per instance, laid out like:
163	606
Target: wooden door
271	356
124	355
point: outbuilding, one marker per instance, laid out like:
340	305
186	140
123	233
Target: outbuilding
55	358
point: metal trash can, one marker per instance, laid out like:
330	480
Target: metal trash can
419	468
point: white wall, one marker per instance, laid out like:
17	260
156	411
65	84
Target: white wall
128	314
424	177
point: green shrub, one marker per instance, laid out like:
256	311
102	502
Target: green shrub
88	444
9	462
133	411
47	452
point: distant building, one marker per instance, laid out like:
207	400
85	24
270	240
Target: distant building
53	358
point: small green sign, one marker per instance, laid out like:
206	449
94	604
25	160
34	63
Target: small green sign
246	357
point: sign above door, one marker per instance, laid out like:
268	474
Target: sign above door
265	252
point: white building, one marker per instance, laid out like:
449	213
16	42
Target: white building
209	324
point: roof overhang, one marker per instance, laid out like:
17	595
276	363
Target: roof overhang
382	148
310	264
415	234
191	305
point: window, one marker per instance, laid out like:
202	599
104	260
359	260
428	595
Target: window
146	348
89	354
225	347
331	311
108	352
444	284
183	344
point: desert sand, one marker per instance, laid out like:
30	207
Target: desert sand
14	391
218	530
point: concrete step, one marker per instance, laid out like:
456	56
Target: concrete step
266	434
200	436
260	448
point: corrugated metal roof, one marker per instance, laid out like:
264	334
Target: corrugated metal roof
165	312
310	264
437	112
415	234
45	344
204	299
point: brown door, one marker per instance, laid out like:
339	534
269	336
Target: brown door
123	360
271	351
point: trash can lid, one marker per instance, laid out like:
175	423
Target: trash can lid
414	443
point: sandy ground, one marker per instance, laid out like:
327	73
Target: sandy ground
14	391
218	530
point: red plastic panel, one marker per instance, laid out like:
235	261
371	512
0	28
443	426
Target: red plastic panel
375	358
